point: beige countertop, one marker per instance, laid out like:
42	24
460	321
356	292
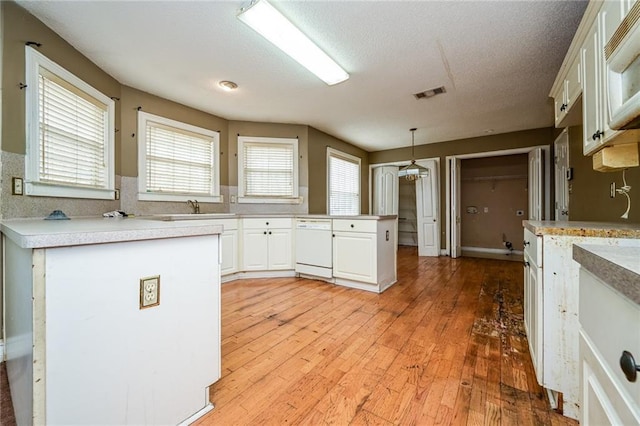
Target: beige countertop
618	267
205	216
40	233
583	229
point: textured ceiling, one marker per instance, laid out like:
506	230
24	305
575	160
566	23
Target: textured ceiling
496	59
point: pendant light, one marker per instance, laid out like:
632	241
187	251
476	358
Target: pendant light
413	171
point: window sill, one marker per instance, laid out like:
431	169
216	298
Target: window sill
38	189
269	200
149	196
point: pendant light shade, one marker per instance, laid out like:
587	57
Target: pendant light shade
413	171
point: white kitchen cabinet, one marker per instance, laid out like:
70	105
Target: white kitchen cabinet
267	244
533	300
230	248
595	113
551	302
364	253
608	323
81	350
567	94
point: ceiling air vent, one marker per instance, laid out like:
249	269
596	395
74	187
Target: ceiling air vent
430	93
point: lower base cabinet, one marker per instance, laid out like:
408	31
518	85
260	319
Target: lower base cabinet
608	326
364	253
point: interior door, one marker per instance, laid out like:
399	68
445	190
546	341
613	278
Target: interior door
561	151
456	217
536	184
385	190
427	196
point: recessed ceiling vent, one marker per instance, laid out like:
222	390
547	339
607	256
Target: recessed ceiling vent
430	93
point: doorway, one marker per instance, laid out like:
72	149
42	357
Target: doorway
416	203
537	187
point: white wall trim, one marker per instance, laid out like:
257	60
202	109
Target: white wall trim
2	350
491	250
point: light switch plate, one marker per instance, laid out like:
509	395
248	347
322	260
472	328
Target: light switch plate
149	292
16	186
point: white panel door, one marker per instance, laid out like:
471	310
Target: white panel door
456	217
354	256
385	190
427	196
229	252
536	184
280	253
561	148
255	250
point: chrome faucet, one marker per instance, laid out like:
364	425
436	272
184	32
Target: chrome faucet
194	205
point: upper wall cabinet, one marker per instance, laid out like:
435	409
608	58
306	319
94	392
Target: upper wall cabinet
567	96
586	59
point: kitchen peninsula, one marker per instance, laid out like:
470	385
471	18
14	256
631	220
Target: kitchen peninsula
102	313
551	291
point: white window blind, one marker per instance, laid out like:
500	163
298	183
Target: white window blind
177	160
70	133
268	169
73	129
344	183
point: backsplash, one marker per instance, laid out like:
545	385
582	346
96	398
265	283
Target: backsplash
17	206
23	206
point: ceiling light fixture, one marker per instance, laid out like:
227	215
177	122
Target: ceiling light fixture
272	25
228	85
413	171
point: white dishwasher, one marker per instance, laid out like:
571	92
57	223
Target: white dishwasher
314	247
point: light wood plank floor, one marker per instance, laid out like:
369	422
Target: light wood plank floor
445	345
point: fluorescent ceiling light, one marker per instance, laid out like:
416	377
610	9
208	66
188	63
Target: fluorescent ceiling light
272	25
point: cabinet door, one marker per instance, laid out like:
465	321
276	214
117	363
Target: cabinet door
533	309
280	253
591	92
573	87
354	256
229	252
255	249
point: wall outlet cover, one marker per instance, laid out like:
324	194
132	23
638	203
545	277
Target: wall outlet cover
16	186
149	292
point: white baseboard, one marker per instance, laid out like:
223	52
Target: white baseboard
2	350
443	252
197	415
491	250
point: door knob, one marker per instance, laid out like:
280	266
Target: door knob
526	264
629	366
526	243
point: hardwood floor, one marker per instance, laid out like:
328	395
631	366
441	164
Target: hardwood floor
445	345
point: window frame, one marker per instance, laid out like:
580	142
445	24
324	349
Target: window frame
332	152
34	60
143	194
242	198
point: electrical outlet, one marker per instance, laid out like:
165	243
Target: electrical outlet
149	292
116	194
16	186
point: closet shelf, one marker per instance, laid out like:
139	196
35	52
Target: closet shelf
505	177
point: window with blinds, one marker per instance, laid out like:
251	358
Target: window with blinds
268	169
70	134
177	161
343	171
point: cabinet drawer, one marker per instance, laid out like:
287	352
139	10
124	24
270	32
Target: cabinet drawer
267	222
355	225
610	322
533	247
